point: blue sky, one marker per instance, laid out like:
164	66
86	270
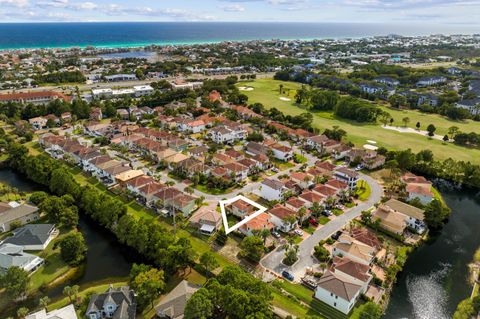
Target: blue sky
459	12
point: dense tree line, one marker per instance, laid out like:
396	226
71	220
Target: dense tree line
62	77
423	163
467	139
151	240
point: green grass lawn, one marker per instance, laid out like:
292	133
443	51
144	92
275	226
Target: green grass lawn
306	295
363	190
266	92
214	191
323	220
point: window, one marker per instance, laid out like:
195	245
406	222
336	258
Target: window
334	304
331	294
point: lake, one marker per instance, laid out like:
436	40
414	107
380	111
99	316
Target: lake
106	258
435	276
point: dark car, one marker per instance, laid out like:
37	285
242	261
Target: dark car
336	235
287	275
313	222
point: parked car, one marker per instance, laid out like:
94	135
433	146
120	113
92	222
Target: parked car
275	234
287	275
275	170
327	212
313	222
298	232
337	235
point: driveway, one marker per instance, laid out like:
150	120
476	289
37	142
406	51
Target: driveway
273	261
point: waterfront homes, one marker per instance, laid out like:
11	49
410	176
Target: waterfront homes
13	255
338	291
15	213
418	187
395	216
32	236
67	312
354	250
172	306
114	303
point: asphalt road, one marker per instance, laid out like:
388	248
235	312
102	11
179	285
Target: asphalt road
273	261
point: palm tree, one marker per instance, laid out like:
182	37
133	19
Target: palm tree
264	233
405	121
280	88
301	213
67	291
75	289
22	312
44	301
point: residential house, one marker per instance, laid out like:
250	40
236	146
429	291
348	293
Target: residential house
283	218
123	177
309	198
302	179
183	203
257	224
389	220
338	291
418	187
192	126
387	81
414	217
190	166
431	80
14	256
356	272
272	189
254	148
347	176
172	306
114	303
148	193
38	123
317	142
96	114
282	152
206	219
67	312
33	236
354	250
240	208
237	171
15	213
471	105
134	184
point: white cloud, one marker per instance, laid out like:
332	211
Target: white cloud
233	8
15	3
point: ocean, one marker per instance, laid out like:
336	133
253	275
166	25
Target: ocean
135	34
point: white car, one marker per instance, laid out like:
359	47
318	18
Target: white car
298	232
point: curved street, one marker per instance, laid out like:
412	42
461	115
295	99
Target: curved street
273	261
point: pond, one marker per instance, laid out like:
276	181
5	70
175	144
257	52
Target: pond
106	258
435	277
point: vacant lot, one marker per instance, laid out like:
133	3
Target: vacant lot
266	91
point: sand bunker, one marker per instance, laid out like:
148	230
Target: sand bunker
285	98
370	147
245	88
